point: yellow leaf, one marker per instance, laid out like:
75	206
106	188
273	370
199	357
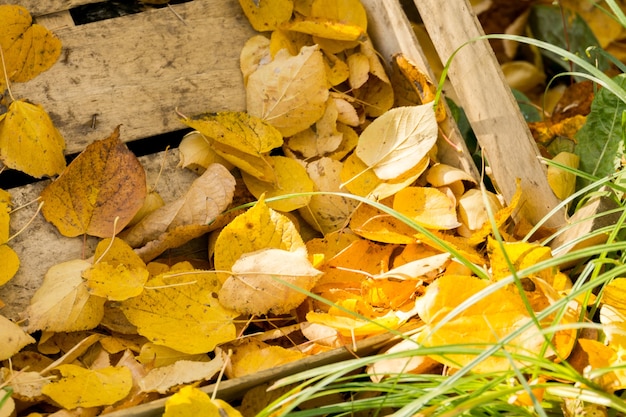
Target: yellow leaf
250	356
563	183
14	338
290	92
427	206
327	213
242	139
156	355
197	154
324	28
80	387
190	401
356	327
166	377
320	140
359	66
266	15
119	274
395	142
253	287
292	41
206	198
373	224
255	52
360	180
63	303
344	20
411	364
614	294
104	183
28	48
472	211
337	71
413	87
10	264
290	177
258	228
179	309
487	321
29	141
521	255
376	95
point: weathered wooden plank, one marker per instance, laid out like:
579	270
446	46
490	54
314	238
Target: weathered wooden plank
41	7
136	70
391	32
41	246
490	107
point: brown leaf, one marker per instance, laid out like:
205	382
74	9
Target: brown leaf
104	182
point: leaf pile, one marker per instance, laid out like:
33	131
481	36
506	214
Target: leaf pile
357	229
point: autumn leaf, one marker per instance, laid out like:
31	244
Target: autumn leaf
327	213
395	142
156	355
63	303
164	378
104	183
428	207
290	92
258	228
28	48
250	356
14	338
80	387
118	273
190	401
266	15
563	183
344	21
254	286
196	153
206	198
179	309
29	141
290	178
8	257
241	139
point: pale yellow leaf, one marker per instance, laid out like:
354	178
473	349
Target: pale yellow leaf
398	140
205	199
427	206
63	303
563	183
157	355
255	287
290	93
14	338
359	66
255	52
327	213
164	378
197	154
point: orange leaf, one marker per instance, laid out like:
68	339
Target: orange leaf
104	182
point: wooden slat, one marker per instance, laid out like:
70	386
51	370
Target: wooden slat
136	70
391	32
41	7
490	107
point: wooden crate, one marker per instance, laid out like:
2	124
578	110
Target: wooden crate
136	70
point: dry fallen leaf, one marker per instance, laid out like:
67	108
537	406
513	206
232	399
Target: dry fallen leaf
427	206
29	141
165	378
290	92
254	286
250	355
14	338
8	258
266	15
241	139
563	183
190	401
98	193
28	48
395	142
63	303
258	228
207	197
179	309
80	387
